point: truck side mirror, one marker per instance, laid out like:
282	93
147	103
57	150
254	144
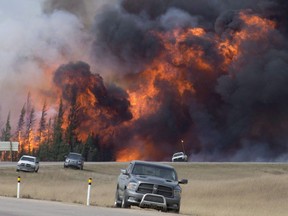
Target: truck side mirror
183	181
124	172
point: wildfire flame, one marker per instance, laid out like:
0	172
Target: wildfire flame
176	57
184	71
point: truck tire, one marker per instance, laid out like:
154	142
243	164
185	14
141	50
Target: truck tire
118	202
176	211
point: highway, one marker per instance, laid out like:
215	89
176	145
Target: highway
13	164
29	207
42	163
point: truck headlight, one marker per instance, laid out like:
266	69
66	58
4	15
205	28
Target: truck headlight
177	193
132	186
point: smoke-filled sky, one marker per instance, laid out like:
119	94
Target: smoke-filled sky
213	73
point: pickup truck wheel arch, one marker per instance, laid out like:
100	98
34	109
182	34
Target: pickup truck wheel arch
125	203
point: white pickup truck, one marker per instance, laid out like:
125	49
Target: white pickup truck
179	156
28	163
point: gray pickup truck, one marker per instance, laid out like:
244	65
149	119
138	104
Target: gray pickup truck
149	185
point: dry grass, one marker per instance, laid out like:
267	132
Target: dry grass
220	189
235	189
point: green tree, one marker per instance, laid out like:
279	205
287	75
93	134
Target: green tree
73	122
45	150
60	148
90	149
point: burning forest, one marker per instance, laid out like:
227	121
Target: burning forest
145	79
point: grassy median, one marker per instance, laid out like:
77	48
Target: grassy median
214	189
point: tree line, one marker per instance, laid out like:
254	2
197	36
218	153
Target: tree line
51	140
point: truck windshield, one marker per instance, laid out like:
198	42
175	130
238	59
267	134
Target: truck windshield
157	171
74	156
178	154
28	159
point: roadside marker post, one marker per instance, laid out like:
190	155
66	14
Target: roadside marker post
88	191
18	187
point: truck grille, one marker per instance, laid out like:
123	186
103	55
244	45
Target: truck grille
155	189
25	165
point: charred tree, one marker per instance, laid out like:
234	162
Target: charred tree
29	138
19	131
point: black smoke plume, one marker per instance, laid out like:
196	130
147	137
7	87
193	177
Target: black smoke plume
240	113
77	82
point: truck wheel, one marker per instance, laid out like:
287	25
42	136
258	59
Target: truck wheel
176	211
117	203
125	203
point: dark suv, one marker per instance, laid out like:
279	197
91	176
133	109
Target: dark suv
74	160
149	185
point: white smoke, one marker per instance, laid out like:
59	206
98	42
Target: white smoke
30	43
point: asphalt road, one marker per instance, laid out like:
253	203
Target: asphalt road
42	163
14	164
29	207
